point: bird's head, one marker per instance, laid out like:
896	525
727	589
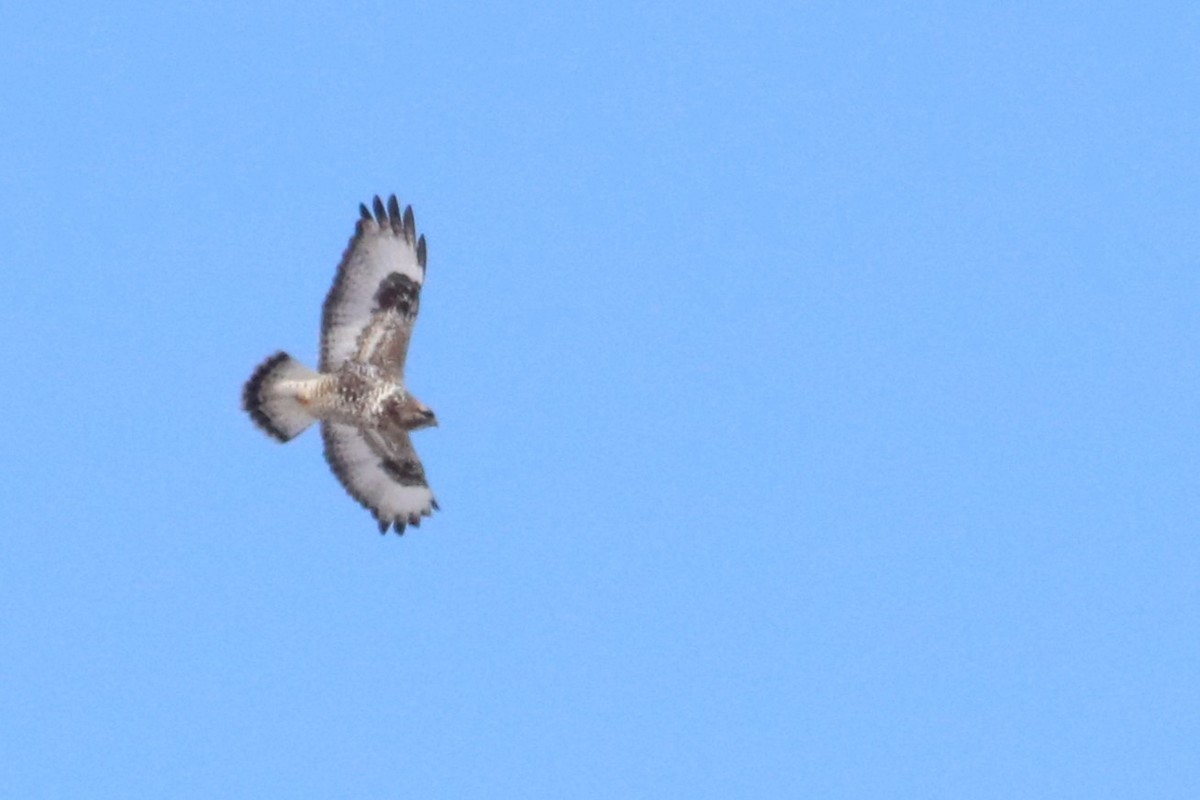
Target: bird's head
409	414
425	418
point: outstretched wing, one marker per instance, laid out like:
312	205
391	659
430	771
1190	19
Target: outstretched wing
381	472
370	311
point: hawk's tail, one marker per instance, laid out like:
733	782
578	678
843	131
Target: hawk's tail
271	397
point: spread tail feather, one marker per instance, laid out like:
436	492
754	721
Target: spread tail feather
272	397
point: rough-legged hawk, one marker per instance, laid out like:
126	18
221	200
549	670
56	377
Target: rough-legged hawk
359	394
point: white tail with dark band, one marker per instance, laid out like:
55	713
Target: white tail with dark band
273	396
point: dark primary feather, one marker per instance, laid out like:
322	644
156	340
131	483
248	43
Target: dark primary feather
410	225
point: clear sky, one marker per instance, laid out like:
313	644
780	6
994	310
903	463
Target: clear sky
818	387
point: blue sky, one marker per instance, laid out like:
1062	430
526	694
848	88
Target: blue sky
817	383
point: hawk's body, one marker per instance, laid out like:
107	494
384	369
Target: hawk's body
359	395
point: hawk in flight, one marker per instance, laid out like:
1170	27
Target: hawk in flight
359	396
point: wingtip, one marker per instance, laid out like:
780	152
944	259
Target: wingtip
421	253
410	225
